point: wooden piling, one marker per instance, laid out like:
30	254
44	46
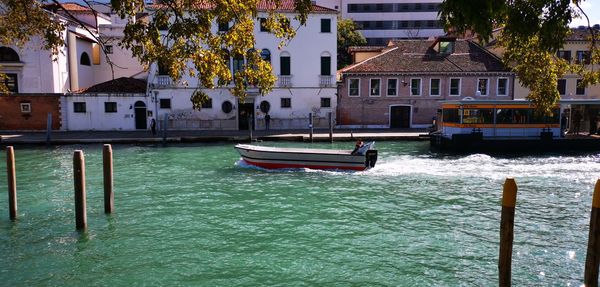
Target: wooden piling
330	127
107	162
310	125
592	259
507	221
80	198
12	182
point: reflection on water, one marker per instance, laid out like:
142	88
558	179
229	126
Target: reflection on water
197	215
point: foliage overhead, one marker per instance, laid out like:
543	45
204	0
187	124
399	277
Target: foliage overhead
181	35
531	33
347	36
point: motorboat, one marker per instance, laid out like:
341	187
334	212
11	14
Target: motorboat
288	158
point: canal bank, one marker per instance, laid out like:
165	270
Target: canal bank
78	137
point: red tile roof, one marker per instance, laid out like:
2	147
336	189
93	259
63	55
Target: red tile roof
70	6
418	56
117	86
583	34
366	48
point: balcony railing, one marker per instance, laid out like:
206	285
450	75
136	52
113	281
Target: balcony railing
285	81
163	81
325	80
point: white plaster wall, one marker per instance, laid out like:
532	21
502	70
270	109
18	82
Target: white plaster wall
85	73
95	118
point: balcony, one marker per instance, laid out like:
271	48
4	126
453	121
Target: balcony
325	80
285	81
163	81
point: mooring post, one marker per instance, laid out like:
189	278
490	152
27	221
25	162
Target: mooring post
108	178
250	126
593	251
12	182
164	128
80	199
48	128
310	125
330	127
507	221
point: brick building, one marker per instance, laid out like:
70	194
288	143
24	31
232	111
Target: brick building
29	112
402	86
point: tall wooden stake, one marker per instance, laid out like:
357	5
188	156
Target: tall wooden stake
108	178
593	251
12	182
507	221
310	125
330	127
80	198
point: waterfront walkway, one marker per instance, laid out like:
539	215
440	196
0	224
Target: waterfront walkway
77	137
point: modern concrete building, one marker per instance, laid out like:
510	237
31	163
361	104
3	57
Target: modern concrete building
382	20
403	85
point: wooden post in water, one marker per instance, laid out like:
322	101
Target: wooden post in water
330	127
593	251
310	125
164	128
80	199
108	178
507	222
12	182
250	126
48	128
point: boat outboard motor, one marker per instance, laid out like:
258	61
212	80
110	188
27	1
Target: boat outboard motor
371	158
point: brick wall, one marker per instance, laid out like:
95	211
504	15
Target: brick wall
366	109
12	118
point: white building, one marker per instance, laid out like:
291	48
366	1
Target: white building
306	83
382	20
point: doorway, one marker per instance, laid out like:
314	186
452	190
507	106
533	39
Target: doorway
140	116
245	110
400	117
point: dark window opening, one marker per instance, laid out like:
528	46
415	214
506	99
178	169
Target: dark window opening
580	90
79	107
223	26
325	25
110	107
8	55
207	104
326	66
325	102
165	103
286	102
265	54
227	107
265	107
562	86
285	66
11	82
85	59
263	25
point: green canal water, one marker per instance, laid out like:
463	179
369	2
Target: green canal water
192	215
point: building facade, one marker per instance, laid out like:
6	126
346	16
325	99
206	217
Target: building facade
305	82
384	20
403	86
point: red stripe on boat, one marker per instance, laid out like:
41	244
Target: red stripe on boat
289	165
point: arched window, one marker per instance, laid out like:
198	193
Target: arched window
85	59
8	55
265	107
266	55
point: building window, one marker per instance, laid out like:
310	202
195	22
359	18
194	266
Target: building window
79	107
325	25
265	107
325	66
502	87
325	102
223	27
482	87
207	104
353	87
263	25
85	59
165	103
227	107
8	55
265	54
455	87
285	66
583	57
392	87
110	107
415	87
580	89
238	64
11	83
434	87
26	108
374	87
562	86
446	47
286	103
565	55
108	49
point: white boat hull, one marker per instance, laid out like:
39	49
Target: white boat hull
276	158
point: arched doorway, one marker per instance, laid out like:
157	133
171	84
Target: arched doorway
140	116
